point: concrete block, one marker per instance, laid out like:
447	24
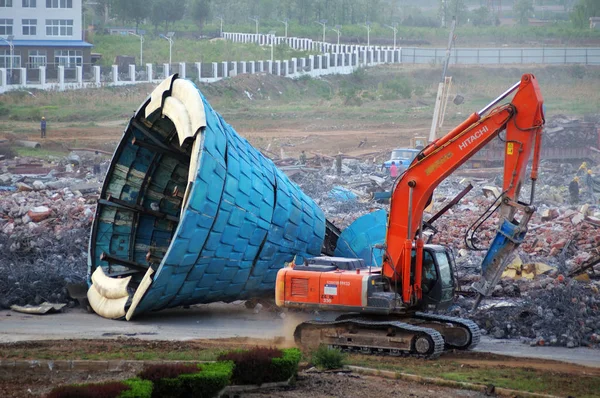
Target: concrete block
115	73
61	78
132	73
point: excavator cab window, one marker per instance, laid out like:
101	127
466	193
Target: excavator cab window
429	277
436	281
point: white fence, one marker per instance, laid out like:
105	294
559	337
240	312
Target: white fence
312	65
420	55
335	59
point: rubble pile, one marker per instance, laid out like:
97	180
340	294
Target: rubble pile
545	307
347	196
563	131
44	229
548	311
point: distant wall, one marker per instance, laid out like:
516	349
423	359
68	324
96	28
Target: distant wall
333	59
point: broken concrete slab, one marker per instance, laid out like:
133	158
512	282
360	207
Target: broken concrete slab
44	308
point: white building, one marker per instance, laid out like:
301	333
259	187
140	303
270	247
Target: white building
36	33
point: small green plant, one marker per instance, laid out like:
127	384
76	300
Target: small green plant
154	373
359	75
131	388
263	365
401	86
328	358
137	388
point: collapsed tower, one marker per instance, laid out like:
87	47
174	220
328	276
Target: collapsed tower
191	213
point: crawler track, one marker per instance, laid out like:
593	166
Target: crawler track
470	326
372	337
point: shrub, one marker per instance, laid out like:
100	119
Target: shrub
286	366
207	382
137	389
100	390
212	379
263	365
252	366
167	371
328	358
401	86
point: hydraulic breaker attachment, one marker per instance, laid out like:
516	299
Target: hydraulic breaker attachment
509	236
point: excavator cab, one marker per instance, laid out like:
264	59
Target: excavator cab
437	280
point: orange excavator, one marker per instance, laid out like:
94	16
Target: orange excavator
384	306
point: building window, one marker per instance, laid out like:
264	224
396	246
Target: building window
59	27
5	60
37	58
29	27
6	26
68	58
5	3
29	4
59	3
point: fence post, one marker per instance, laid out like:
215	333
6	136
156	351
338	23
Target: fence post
79	74
166	70
225	69
42	76
215	70
521	56
132	73
565	55
61	78
149	68
182	70
23	76
115	73
199	69
3	86
543	55
294	66
96	75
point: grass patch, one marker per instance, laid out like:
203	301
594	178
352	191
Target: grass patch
398	93
129	353
38	153
516	378
156	50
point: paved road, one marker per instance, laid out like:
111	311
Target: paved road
220	321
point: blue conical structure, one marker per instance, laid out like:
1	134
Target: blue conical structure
191	213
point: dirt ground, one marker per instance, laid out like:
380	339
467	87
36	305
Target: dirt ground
30	384
293	138
24	383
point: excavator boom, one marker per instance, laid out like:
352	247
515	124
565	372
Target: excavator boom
523	120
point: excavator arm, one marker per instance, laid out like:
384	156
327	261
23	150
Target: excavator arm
522	119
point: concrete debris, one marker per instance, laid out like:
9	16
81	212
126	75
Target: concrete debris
44	308
44	230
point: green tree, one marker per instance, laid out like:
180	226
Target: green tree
201	13
523	10
583	11
482	17
133	10
167	11
454	8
